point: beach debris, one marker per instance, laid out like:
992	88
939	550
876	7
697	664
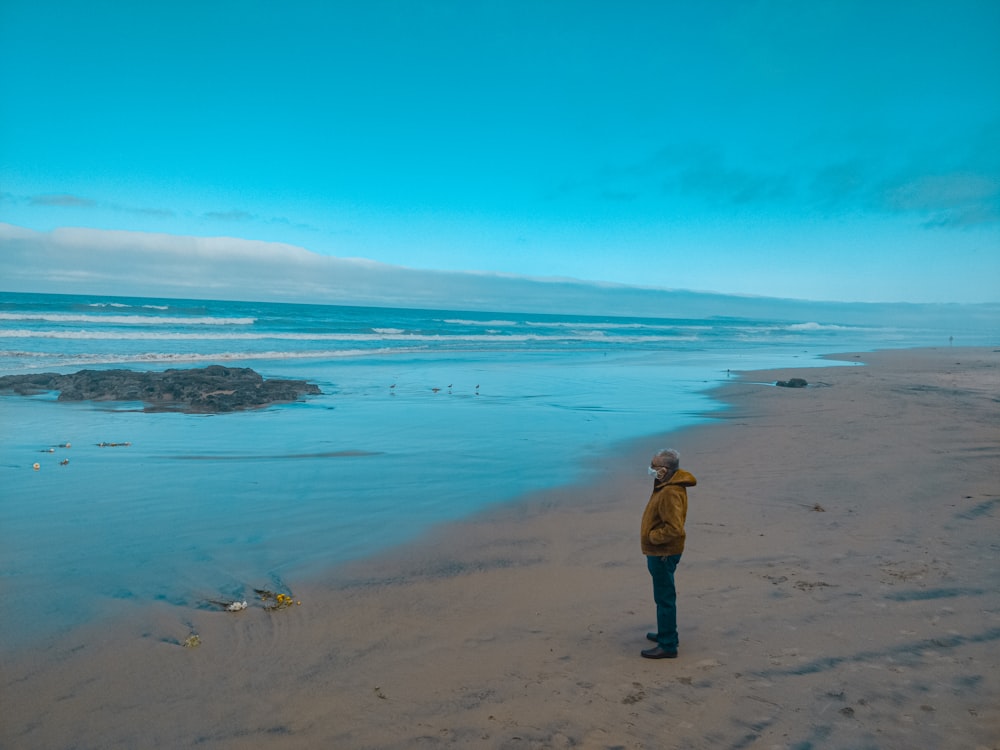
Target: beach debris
792	383
273	601
819	508
192	641
113	445
230	606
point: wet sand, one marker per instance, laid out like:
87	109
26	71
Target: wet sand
839	590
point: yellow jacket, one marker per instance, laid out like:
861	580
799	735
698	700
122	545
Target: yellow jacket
663	520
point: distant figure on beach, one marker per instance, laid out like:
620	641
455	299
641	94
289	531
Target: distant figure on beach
662	544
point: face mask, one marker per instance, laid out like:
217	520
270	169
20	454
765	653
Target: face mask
654	472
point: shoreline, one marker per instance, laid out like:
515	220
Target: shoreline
838	587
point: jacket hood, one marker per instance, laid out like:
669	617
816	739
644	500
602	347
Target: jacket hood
681	477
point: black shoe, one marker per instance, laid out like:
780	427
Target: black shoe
658	653
651	637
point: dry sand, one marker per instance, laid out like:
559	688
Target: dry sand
839	590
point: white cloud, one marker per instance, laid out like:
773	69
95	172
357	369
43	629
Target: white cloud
64	200
234	215
949	200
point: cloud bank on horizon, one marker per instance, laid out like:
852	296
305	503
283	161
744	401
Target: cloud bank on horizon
94	261
828	151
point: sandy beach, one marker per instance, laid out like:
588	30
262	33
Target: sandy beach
840	589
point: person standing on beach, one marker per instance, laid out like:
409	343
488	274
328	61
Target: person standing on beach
662	544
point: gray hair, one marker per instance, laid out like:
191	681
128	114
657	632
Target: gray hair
670	458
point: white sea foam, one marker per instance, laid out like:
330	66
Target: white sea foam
143	320
463	322
122	304
574	324
487	338
108	358
112	335
816	327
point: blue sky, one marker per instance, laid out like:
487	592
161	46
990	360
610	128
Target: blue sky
825	150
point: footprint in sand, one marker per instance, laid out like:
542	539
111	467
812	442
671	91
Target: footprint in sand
809	586
636	695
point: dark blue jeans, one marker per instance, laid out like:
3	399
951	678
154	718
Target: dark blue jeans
665	595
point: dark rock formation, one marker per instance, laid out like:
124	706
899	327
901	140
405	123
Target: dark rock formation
208	390
793	383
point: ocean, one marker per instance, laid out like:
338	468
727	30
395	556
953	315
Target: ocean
425	416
